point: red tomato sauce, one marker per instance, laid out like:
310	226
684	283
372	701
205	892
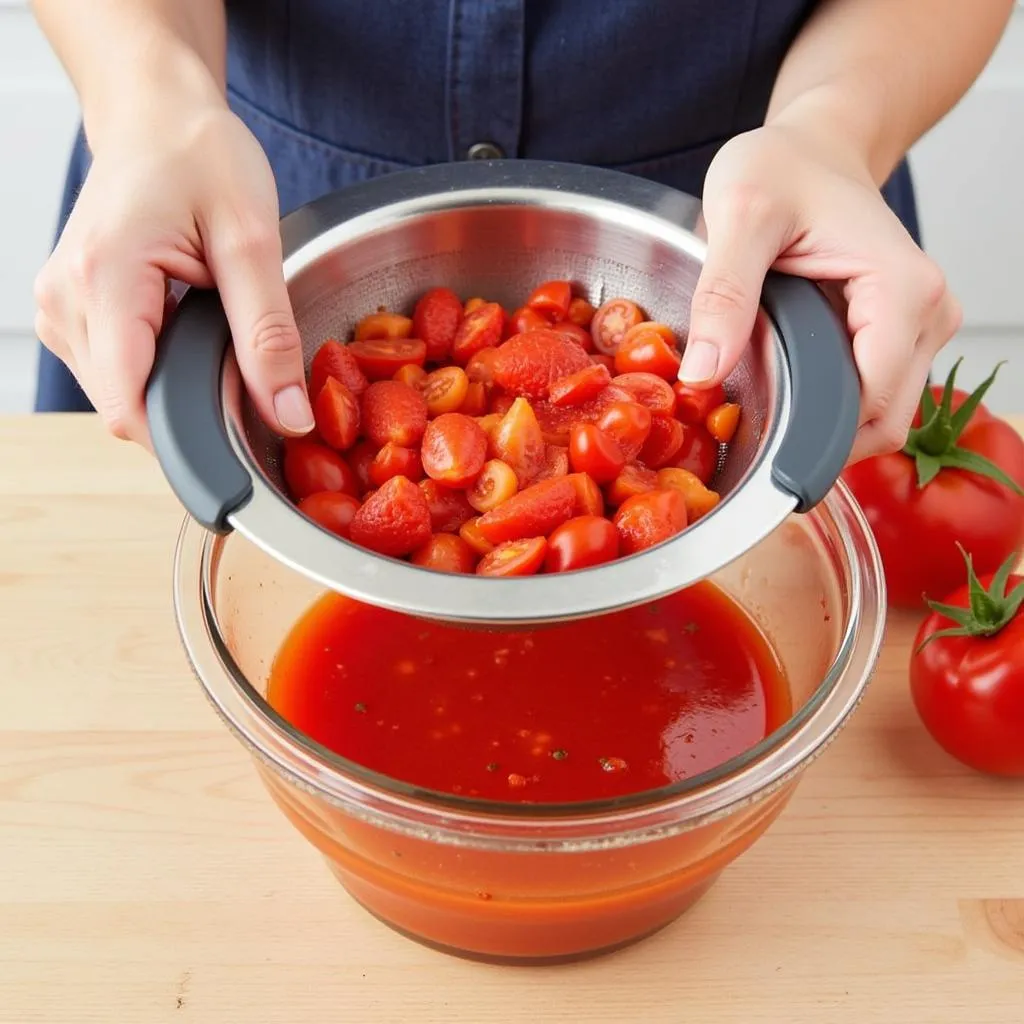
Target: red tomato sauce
594	709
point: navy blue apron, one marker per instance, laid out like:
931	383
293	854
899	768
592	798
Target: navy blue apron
341	91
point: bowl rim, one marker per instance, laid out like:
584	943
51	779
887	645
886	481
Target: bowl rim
680	806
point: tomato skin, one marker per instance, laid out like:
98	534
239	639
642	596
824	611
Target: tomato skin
336	411
514	558
629	423
694	404
448	508
917	529
454	449
581	312
310	467
518	441
394	460
445	552
394	520
698	452
534	512
435	320
333	359
582	386
574	333
382	358
526	319
645	350
648	519
333	510
551	299
969	691
479	330
581	543
528	364
596	453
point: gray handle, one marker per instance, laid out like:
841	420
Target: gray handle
825	389
186	420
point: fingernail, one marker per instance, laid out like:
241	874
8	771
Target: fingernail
292	409
700	361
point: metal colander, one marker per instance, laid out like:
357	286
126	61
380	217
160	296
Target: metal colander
496	230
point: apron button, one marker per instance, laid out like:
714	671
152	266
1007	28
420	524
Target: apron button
484	151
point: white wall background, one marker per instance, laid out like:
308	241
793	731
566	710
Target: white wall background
968	171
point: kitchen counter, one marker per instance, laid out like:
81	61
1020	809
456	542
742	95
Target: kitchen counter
146	877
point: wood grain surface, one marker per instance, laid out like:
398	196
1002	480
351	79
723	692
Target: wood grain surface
145	877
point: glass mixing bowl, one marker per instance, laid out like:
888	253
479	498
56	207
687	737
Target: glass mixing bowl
517	883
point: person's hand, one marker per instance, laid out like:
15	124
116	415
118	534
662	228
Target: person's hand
781	197
191	198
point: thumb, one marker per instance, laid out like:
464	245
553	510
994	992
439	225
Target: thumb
267	344
741	249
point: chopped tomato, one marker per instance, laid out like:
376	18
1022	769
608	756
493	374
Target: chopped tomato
551	299
335	360
529	364
580	312
383	325
533	512
526	319
602	360
394	520
663	442
473	304
595	452
514	558
579	387
360	458
648	390
310	467
481	366
518	441
395	412
698	453
336	411
581	543
380	359
411	374
699	500
470	533
662	330
574	333
694	404
475	401
629	423
445	390
449	508
489	422
499	403
445	552
722	422
435	320
333	510
394	460
557	421
495	484
649	519
645	350
479	330
556	462
589	499
454	449
633	480
611	322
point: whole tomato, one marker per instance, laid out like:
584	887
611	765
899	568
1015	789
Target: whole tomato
959	479
967	672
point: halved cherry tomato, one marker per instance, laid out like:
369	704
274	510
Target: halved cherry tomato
383	325
557	421
611	322
698	452
445	390
472	305
662	330
445	552
449	508
649	391
694	404
454	449
722	422
526	319
335	360
581	543
556	462
663	442
489	422
500	403
596	453
394	460
649	519
480	329
633	480
518	441
475	401
333	510
412	374
644	350
495	484
336	411
699	500
514	558
579	387
381	358
470	533
529	364
394	520
551	299
589	499
481	366
393	411
360	458
533	512
310	467
435	320
606	361
574	333
580	312
629	423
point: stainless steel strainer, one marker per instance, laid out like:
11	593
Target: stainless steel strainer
496	229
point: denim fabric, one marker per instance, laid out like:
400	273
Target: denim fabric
338	91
